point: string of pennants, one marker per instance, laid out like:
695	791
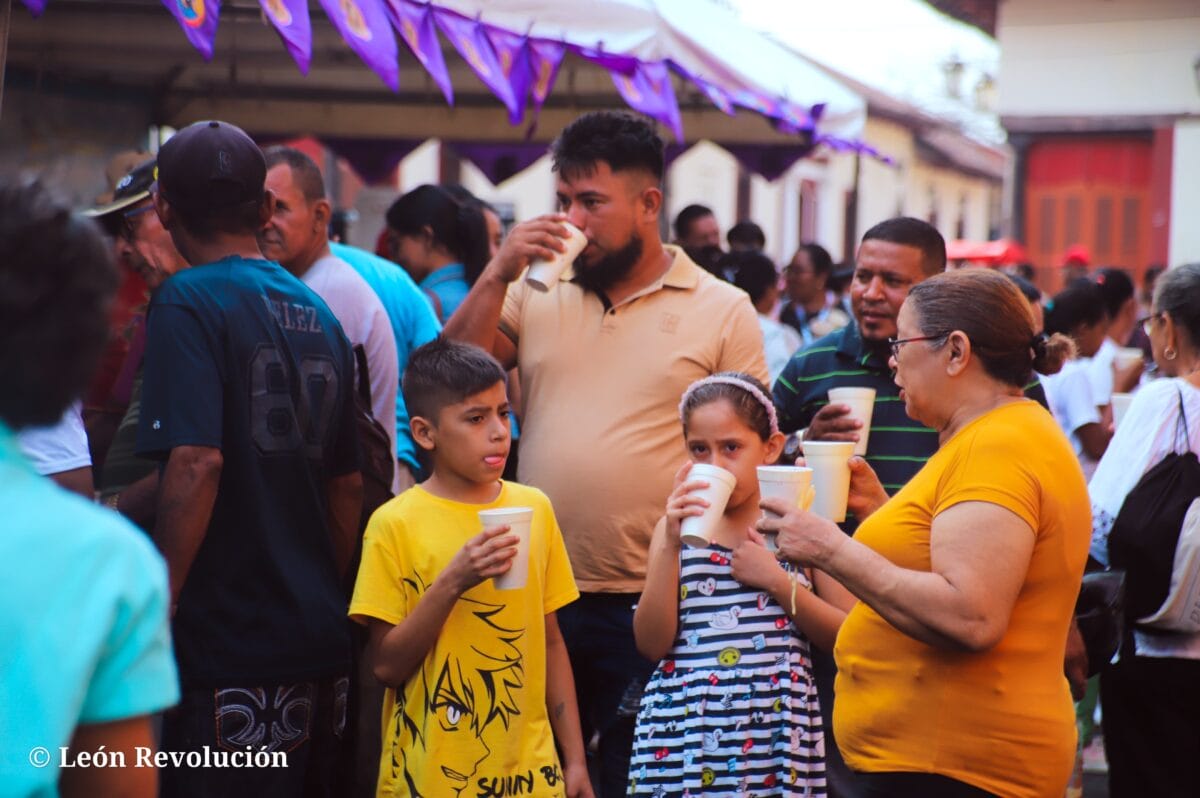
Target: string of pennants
519	69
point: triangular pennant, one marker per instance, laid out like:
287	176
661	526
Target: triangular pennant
473	45
512	53
414	23
198	18
649	90
291	22
364	26
545	57
36	7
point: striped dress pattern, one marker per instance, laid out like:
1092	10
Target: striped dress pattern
732	710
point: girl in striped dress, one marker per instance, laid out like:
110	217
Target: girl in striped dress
732	708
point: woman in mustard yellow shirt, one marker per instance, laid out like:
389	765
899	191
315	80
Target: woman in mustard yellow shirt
950	668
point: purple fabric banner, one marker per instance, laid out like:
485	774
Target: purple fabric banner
373	160
291	22
624	64
499	161
545	57
512	53
472	43
767	106
716	95
649	90
36	7
198	18
364	26
414	23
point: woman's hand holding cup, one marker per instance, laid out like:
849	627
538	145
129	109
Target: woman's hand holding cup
802	537
866	491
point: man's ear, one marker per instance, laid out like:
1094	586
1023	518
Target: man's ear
322	211
651	201
424	432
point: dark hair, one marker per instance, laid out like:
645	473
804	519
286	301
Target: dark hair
1116	287
746	233
1028	289
820	258
913	233
687	217
56	280
1177	293
753	272
991	311
1080	303
444	372
464	195
305	171
457	226
707	257
620	139
205	223
749	409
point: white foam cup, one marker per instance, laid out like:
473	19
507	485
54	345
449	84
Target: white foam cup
1126	356
698	530
1120	403
830	464
518	519
544	274
792	484
861	402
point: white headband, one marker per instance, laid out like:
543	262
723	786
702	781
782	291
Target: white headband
748	387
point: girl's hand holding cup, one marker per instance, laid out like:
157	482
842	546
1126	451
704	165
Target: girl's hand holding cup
683	502
754	565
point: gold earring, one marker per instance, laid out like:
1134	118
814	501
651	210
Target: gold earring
1169	353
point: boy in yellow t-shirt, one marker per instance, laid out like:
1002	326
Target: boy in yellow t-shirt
479	681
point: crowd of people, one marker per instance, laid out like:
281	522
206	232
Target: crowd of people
281	577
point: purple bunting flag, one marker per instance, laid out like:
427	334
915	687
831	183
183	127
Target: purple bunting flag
545	57
755	101
613	62
364	26
649	90
414	23
716	95
36	7
469	38
512	53
198	18
290	18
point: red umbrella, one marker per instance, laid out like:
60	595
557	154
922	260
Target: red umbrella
1002	252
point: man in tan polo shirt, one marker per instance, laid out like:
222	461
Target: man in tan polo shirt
604	357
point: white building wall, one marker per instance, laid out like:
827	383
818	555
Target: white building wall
1093	58
704	175
1184	242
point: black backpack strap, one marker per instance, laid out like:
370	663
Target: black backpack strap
364	375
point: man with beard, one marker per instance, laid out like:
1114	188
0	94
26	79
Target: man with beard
604	357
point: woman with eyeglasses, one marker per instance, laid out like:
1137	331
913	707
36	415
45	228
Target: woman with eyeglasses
950	668
1151	696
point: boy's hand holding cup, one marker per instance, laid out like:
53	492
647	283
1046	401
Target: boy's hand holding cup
487	555
515	568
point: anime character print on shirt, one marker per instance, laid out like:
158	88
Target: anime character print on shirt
732	710
460	713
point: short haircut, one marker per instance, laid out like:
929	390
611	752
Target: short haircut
753	272
916	233
687	217
444	372
1030	290
1080	303
56	279
305	171
623	140
822	261
1116	287
746	233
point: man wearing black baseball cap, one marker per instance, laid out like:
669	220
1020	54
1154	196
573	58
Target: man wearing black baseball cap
247	397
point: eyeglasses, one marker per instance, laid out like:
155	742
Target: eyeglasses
128	223
896	343
1147	323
